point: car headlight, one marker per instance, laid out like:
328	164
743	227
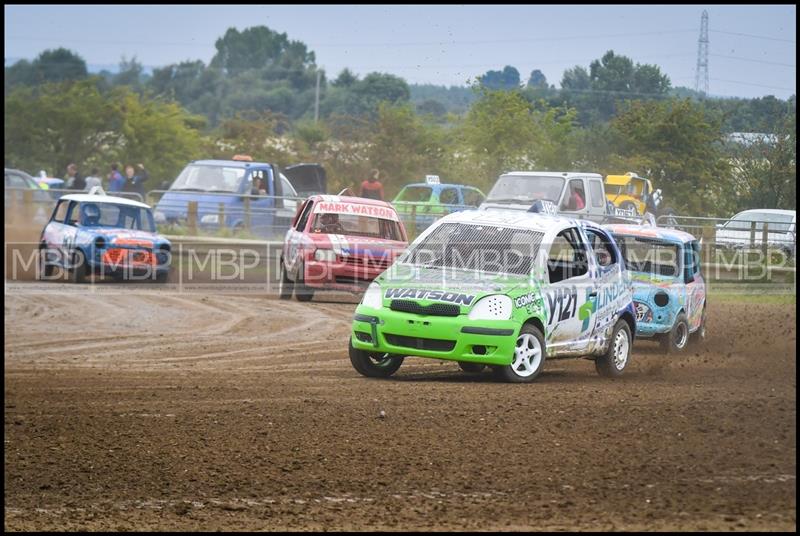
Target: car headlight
373	297
327	255
210	218
494	307
159	216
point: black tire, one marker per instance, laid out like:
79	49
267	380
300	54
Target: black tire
45	269
699	335
162	277
471	368
613	362
285	285
77	269
374	364
301	291
677	339
517	371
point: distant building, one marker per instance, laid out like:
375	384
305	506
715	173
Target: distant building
749	138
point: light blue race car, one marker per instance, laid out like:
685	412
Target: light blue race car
669	292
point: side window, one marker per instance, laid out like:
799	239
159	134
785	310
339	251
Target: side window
15	181
60	212
303	219
74	214
567	256
258	186
575	196
602	248
692	260
288	189
598	200
472	197
448	196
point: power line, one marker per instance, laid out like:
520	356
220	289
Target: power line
751	84
384	44
754	36
754	60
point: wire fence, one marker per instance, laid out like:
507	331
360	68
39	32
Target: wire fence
760	250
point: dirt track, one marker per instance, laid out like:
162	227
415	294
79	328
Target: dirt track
128	409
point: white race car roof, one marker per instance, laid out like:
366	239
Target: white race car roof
99	198
543	223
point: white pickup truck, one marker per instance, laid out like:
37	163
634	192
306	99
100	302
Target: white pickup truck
579	195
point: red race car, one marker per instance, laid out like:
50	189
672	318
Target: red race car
339	243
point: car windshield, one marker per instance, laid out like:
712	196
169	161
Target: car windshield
209	178
775	222
416	194
354	225
482	248
120	216
650	255
510	188
615	189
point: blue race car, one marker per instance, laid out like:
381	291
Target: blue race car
669	292
99	234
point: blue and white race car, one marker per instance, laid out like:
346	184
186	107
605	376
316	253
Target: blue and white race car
669	290
99	234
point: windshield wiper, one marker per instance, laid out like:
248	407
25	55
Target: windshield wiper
188	190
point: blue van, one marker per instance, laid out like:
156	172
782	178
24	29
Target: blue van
223	189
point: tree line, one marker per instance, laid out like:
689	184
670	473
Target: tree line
257	93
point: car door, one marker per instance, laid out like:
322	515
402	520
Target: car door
294	236
69	232
695	285
53	232
613	290
570	286
261	205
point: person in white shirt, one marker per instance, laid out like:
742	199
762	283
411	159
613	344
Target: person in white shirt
93	180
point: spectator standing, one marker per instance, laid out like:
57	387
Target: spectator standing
73	181
136	177
93	179
372	187
116	182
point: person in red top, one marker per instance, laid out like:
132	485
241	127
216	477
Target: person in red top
372	187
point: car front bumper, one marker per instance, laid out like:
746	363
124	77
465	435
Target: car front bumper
339	276
454	338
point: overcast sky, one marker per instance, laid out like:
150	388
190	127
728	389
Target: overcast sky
752	48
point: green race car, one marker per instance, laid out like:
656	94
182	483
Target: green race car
419	205
501	288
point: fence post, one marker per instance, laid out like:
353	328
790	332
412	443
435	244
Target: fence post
28	210
222	215
413	221
765	249
752	234
191	217
247	212
708	235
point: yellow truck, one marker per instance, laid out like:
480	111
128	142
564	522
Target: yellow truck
632	192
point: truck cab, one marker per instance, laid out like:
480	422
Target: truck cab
581	195
233	193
